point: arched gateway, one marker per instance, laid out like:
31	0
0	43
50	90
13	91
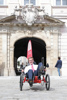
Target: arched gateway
15	32
18	45
38	46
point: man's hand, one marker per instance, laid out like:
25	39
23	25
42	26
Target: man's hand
22	70
44	69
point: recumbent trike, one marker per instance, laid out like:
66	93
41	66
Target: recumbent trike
43	78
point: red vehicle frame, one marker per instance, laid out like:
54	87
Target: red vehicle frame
45	79
36	80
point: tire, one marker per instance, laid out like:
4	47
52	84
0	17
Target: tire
47	82
21	81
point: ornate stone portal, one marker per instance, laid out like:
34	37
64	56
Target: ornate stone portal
26	24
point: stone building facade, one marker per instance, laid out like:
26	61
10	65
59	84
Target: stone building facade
47	32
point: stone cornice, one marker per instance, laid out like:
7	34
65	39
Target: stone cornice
8	18
52	21
35	24
3	6
55	20
60	17
65	7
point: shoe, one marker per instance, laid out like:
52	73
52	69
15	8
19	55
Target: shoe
30	82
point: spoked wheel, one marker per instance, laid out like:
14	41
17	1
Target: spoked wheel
42	82
47	82
21	81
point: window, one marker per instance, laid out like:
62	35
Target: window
58	2
64	2
33	2
61	2
27	2
1	2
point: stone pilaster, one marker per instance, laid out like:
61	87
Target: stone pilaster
48	50
4	54
55	52
8	52
1	68
11	69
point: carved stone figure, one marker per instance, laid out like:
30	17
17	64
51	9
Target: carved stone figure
29	14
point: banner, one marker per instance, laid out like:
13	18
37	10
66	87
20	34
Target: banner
29	49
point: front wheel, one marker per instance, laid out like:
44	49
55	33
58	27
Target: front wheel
47	82
21	82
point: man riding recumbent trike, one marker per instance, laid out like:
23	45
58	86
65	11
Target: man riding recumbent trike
34	74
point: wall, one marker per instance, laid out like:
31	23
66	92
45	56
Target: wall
1	67
51	40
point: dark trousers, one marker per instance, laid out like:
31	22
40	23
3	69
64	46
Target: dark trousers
30	73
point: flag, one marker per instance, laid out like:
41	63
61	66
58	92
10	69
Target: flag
29	49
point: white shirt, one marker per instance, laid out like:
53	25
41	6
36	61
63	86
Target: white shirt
27	68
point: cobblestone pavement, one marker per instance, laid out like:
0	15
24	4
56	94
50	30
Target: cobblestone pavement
9	89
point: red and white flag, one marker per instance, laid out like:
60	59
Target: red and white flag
29	49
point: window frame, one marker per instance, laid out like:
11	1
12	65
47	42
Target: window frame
33	2
2	3
61	3
28	2
56	3
25	3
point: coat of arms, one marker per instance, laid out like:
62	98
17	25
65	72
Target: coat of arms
30	13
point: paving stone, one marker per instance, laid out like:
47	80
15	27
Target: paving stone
9	89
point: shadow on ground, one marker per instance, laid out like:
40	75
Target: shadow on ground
38	88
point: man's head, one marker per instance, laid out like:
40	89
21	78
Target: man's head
30	60
58	58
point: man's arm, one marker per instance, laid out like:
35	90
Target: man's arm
26	69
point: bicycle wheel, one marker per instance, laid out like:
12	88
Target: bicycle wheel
47	82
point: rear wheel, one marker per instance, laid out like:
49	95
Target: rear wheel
21	81
47	82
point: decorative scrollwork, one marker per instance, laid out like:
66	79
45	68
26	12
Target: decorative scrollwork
29	13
